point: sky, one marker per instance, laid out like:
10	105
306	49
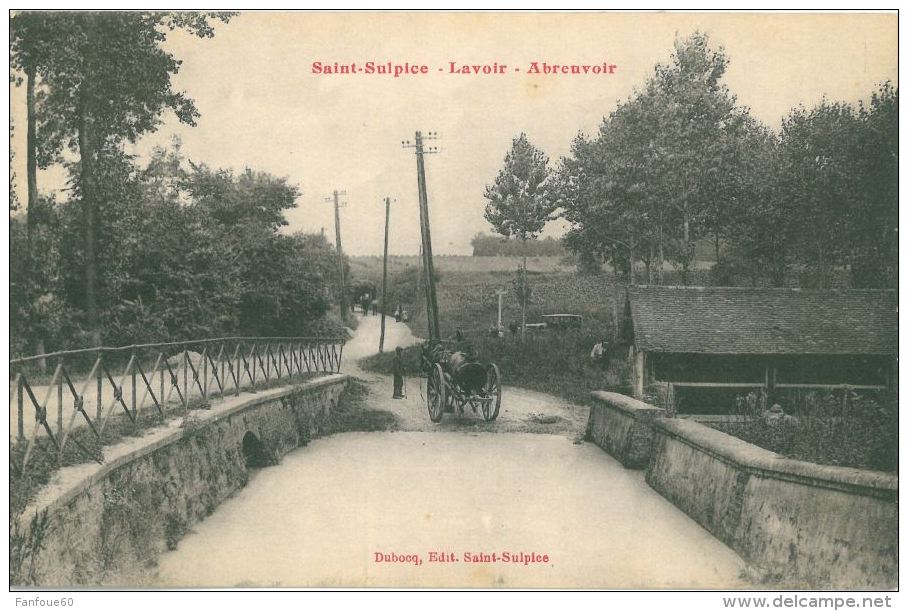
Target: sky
263	107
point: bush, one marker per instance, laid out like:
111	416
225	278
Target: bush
859	431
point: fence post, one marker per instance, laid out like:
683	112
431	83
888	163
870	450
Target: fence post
205	374
267	361
135	406
222	368
238	379
60	409
185	378
99	386
254	356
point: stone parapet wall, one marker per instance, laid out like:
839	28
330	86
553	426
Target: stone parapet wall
800	524
622	426
107	524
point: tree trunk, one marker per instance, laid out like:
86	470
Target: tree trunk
89	219
686	255
649	265
31	163
661	250
630	256
821	266
31	218
717	247
778	267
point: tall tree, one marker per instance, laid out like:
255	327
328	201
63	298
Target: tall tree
817	177
695	150
873	222
30	50
108	81
520	202
760	229
13	197
667	167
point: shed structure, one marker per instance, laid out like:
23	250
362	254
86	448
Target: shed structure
739	339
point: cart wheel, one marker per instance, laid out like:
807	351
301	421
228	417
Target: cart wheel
435	393
493	391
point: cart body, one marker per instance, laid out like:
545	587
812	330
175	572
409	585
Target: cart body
456	379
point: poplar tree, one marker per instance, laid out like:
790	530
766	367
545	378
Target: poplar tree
520	203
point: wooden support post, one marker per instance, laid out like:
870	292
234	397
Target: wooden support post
639	373
186	379
100	388
60	408
135	406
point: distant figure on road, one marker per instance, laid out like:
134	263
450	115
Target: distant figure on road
398	374
374	307
397	313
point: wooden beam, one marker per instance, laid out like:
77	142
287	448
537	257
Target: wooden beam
718	384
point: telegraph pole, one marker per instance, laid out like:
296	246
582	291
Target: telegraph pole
340	251
384	277
431	300
419	264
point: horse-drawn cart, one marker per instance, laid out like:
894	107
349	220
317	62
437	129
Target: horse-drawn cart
455	378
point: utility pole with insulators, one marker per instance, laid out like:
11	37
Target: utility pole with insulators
384	278
431	301
340	251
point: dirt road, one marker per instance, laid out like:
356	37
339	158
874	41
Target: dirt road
521	410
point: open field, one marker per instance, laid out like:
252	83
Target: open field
371	266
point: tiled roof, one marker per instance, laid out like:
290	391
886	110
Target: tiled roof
721	320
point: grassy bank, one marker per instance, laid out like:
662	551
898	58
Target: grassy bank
351	414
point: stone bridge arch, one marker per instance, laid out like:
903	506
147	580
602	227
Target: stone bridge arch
256	452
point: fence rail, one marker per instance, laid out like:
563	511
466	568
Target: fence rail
152	373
